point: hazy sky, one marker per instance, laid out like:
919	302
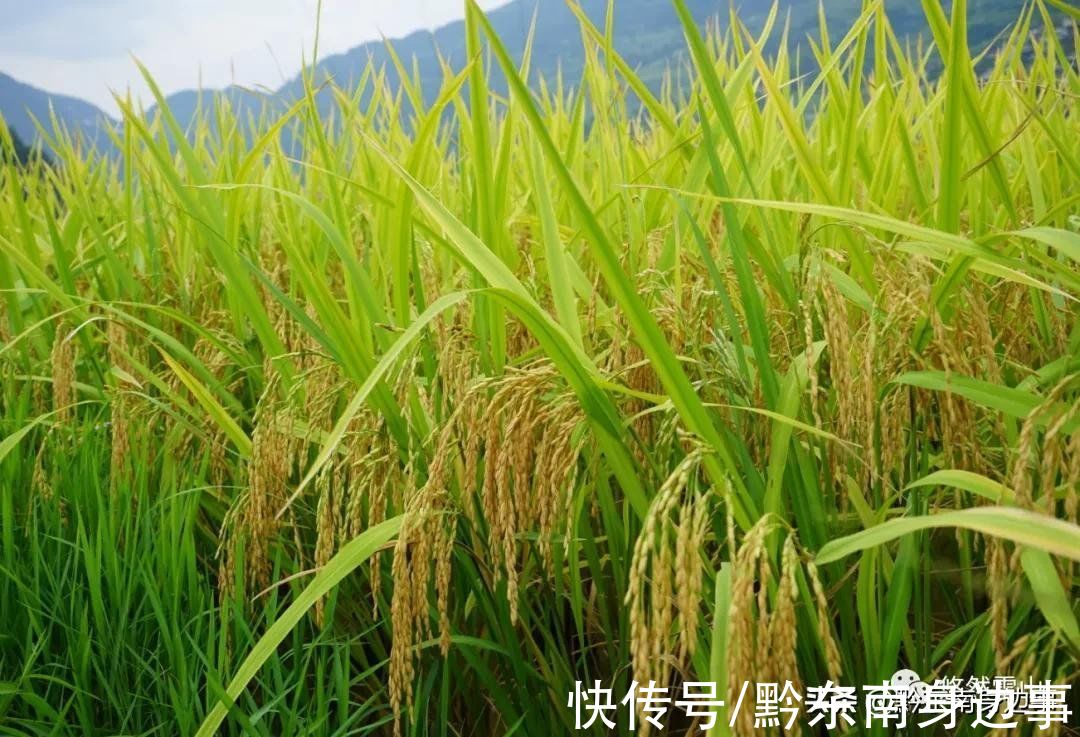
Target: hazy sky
84	47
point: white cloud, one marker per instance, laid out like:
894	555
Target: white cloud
83	48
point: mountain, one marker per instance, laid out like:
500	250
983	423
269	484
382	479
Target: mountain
21	105
647	35
184	105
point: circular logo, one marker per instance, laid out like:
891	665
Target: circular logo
908	682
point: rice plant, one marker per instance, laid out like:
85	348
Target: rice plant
378	415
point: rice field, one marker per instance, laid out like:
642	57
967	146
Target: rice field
396	417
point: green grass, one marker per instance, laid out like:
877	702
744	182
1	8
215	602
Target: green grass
312	416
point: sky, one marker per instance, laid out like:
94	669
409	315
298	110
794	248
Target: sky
84	48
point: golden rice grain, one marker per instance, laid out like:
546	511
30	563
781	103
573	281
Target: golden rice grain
62	362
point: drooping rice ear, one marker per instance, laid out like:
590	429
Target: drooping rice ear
424	543
742	655
268	476
833	662
998	585
661	582
326	527
62	363
783	629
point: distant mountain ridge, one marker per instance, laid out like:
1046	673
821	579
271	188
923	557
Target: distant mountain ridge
21	104
647	35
